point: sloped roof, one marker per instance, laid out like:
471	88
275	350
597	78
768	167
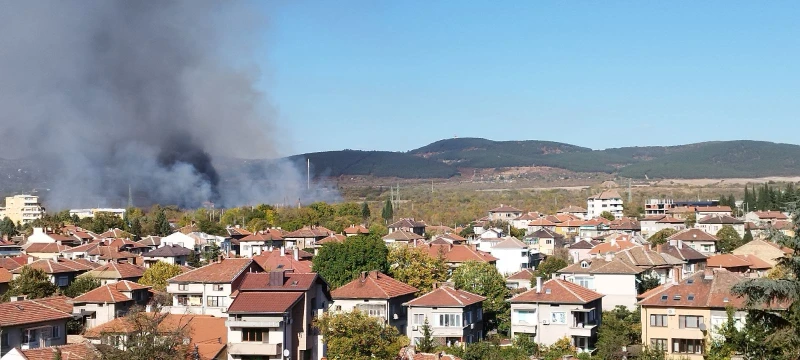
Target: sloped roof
11	263
104	294
558	291
332	239
735	261
120	243
531	215
669	220
607	195
723	208
34	311
643	256
59	265
616	265
44	248
114	233
262	237
771	215
255	302
237	231
373	285
541	222
114	270
682	252
719	219
524	274
505	208
291	282
151	241
407	223
221	272
5	276
458	253
168	251
544	234
80	351
309	232
511	243
612	247
446	296
273	261
402	235
356	229
584	244
692	234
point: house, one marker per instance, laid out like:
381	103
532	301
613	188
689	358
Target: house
682	212
569	228
512	256
237	232
61	272
608	200
765	217
180	239
78	351
703	211
555	309
454	316
594	228
681	317
113	272
253	244
575	211
306	237
694	260
409	225
378	295
613	244
697	239
32	324
504	213
22	209
714	223
114	233
288	259
654	223
520	280
657	207
765	250
580	249
44	250
354	230
207	290
258	310
455	255
128	245
541	224
9	248
170	254
152	242
749	265
523	220
207	334
625	225
110	301
450	238
401	237
544	241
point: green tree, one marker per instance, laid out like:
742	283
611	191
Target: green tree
748	236
158	274
82	285
415	267
7	227
548	267
365	213
559	348
193	259
34	283
647	282
161	223
661	236
136	229
483	279
149	335
211	253
357	336
607	215
339	263
426	343
729	239
526	344
388	211
691	220
621	327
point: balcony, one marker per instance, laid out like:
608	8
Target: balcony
254	348
252	324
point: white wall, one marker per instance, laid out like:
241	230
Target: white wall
510	261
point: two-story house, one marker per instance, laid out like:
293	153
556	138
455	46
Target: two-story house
297	298
110	301
697	239
575	211
714	223
61	272
408	224
504	213
32	324
455	255
520	280
454	316
170	254
378	295
78	351
613	277
544	241
555	309
512	256
608	200
207	290
402	237
765	250
114	272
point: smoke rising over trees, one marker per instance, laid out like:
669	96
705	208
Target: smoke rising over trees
157	95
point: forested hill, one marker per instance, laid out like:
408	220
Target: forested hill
444	158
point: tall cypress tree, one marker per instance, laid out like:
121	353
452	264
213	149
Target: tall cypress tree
388	210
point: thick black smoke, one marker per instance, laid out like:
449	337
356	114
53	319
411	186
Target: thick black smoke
151	95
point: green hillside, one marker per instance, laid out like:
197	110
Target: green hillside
482	153
375	163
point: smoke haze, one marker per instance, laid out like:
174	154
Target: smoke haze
109	94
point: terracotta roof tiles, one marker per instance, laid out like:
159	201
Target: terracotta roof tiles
34	311
218	272
264	302
446	296
692	234
373	285
558	291
79	351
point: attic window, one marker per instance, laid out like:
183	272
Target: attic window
690	297
584	264
546	291
690	281
676	297
294	283
664	297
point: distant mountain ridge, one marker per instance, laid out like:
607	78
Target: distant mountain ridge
446	158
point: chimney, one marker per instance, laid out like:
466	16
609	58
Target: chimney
31	259
660	248
613	241
374	273
708	274
538	284
283	251
677	274
680	244
362	276
38	231
296	254
609	257
276	278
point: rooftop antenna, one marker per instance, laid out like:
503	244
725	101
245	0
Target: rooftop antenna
629	191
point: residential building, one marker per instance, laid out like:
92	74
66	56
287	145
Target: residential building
523	220
306	237
541	224
288	259
575	211
354	230
703	211
207	290
504	213
270	294
695	261
747	265
409	225
115	272
152	242
765	217
455	255
90	213
657	207
520	280
79	351
61	272
544	241
697	239
44	250
170	254
378	295
253	244
32	324
454	316
512	256
22	209
613	244
180	239
609	200
450	238
714	223
765	250
401	237
579	250
555	309
110	301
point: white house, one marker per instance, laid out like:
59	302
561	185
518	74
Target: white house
609	200
714	223
614	278
512	256
180	239
378	295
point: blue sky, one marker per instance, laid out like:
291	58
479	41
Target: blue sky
397	75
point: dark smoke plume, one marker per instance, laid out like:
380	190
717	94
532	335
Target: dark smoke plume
155	95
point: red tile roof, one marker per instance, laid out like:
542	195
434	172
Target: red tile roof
79	351
402	235
670	220
331	239
34	311
612	247
693	234
572	209
356	229
511	243
309	232
11	263
273	302
59	265
541	222
505	208
446	296
103	294
726	209
726	261
44	248
524	274
459	253
291	282
771	215
128	286
273	261
557	291
617	265
114	270
168	251
260	237
373	285
5	276
719	219
217	273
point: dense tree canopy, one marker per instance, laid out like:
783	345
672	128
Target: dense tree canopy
483	279
729	239
34	283
82	285
149	337
355	335
339	263
158	274
661	236
415	267
621	327
548	267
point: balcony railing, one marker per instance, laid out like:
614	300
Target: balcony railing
254	348
252	324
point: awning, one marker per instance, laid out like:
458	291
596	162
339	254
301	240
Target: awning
582	310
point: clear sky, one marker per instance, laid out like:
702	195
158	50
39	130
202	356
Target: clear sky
397	75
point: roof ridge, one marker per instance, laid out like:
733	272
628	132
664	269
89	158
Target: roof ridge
570	290
375	281
451	295
48	306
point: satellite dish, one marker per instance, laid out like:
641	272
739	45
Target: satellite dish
286	353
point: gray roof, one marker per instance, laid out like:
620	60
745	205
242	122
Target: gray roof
169	251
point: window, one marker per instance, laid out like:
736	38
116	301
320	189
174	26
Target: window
480	313
56	332
660	344
584	264
687	346
182	287
658	320
526	317
215	301
218	287
254	334
63	281
467	318
581	342
373	310
548	242
584	281
182	300
558	317
689	322
449	320
419	319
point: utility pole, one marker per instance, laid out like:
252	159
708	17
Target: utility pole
130	197
308	174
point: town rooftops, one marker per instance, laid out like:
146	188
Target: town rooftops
771	215
529	216
237	231
333	238
264	302
356	229
692	234
168	251
524	274
612	247
446	296
114	270
615	265
506	209
680	251
373	285
278	281
572	209
114	234
151	241
221	272
79	351
272	260
459	253
12	263
541	222
584	244
34	311
719	219
407	223
402	235
44	248
720	209
666	219
309	232
511	243
557	291
5	276
737	261
59	265
606	195
110	293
